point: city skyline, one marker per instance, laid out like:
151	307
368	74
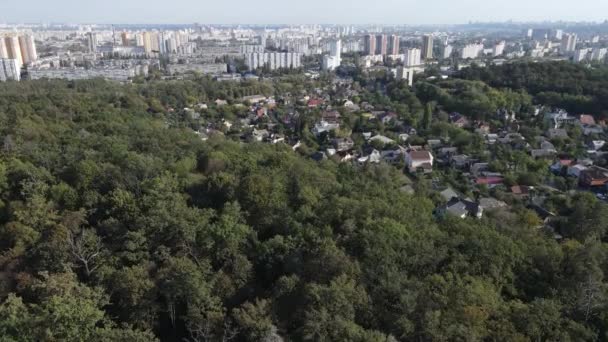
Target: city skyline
438	12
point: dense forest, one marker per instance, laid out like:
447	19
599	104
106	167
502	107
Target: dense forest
118	223
573	87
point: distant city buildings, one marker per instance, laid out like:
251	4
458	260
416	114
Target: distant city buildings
251	48
124	38
599	54
412	57
471	51
381	44
92	42
393	45
447	51
405	73
427	47
334	59
370	45
116	73
13	49
580	55
568	43
212	69
10	69
28	49
273	60
499	49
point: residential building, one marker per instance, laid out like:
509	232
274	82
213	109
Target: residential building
415	160
393	45
92	42
599	54
568	43
405	73
471	51
10	69
273	60
370	45
461	208
381	44
14	49
28	49
427	47
594	176
499	49
124	38
3	51
334	59
447	51
412	57
580	55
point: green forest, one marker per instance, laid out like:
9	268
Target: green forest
118	223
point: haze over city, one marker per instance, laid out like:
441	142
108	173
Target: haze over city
301	12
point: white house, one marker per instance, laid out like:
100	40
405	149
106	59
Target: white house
415	160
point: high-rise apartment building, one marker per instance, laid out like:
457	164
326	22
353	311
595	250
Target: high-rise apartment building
471	51
498	49
147	42
14	49
568	43
393	45
381	44
92	42
447	51
3	51
28	48
273	60
10	69
334	59
139	39
412	57
427	47
599	54
580	55
370	45
124	37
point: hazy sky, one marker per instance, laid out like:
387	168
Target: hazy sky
300	11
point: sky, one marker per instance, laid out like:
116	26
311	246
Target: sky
412	12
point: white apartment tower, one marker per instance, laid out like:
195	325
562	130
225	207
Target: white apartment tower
568	43
412	57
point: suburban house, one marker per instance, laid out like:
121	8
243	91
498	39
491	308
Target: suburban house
416	159
343	144
461	208
324	126
373	157
594	176
333	117
559	119
576	170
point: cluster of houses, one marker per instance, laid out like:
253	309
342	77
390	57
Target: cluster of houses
265	124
